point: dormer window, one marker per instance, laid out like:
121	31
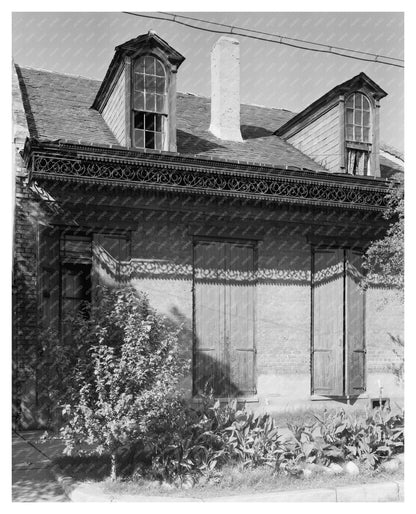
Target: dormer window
358	134
149	103
137	98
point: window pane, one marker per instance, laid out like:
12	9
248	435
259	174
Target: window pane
138	82
139	120
158	141
350	116
139	65
138	101
158	123
357	117
349	133
139	138
366	118
159	69
358	100
149	65
150	84
366	134
149	121
358	134
150	140
160	103
160	85
366	103
350	101
150	102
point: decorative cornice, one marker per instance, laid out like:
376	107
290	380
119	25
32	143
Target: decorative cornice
170	173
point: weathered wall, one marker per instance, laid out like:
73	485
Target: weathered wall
320	140
161	230
27	215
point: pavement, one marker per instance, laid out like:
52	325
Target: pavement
33	476
36	479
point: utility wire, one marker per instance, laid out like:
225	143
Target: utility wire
282	40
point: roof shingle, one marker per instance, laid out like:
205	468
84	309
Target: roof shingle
58	106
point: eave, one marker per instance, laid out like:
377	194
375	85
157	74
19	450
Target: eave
60	161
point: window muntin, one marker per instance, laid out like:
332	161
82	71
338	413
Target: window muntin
358	118
149	103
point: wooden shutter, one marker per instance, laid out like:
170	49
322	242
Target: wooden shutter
49	277
240	322
210	357
49	316
355	327
224	317
328	320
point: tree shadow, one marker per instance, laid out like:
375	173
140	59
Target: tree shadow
208	373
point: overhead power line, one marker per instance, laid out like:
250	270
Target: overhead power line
277	39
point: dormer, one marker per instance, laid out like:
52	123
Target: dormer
137	97
340	130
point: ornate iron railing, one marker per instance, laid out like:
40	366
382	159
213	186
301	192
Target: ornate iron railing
312	189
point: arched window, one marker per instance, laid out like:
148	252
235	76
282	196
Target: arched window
149	103
358	118
358	133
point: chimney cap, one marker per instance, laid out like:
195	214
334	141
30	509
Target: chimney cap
227	39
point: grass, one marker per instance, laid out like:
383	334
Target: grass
231	480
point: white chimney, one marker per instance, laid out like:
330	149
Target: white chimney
225	89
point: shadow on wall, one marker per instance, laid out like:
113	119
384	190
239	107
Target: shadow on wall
208	373
163	269
397	368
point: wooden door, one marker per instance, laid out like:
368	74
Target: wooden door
224	317
328	322
355	326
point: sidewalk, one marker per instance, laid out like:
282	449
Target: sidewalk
32	477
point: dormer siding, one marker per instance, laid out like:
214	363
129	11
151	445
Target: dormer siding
114	112
320	140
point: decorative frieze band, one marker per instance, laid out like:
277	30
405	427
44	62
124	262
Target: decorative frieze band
270	187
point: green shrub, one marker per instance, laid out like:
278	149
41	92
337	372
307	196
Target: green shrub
339	438
197	441
123	375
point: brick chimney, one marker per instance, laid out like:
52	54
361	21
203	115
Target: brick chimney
225	89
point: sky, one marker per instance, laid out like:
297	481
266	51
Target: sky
273	75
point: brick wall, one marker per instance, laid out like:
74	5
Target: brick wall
162	229
25	348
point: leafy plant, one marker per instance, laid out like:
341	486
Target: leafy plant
124	377
253	440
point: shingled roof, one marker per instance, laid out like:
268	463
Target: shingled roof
58	106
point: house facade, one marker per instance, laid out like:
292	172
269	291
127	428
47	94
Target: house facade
244	225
